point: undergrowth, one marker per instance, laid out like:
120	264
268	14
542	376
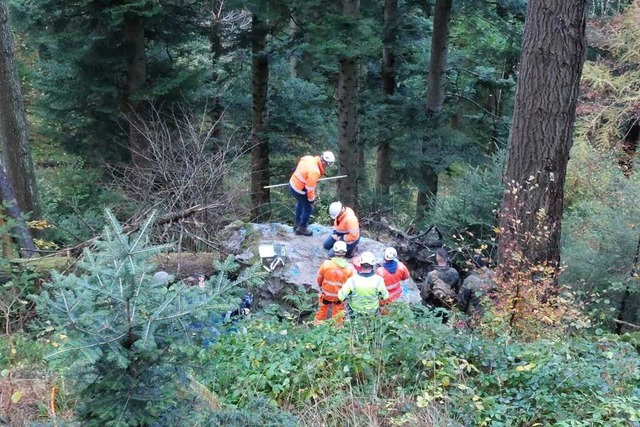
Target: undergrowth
409	369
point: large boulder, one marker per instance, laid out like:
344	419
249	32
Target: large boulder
303	256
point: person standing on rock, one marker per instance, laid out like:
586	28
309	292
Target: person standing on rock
365	289
394	273
346	227
302	186
333	273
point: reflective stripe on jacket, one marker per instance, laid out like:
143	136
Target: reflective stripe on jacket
332	275
393	281
306	176
364	292
347	223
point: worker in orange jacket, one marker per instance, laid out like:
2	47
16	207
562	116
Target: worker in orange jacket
346	228
331	276
394	273
302	186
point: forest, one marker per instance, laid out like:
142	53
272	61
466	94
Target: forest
137	134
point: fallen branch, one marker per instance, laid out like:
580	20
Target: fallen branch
622	322
132	228
413	240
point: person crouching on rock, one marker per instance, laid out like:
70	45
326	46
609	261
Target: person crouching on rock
365	289
331	276
345	227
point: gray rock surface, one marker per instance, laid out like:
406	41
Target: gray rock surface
304	256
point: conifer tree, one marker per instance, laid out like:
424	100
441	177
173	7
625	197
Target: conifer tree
100	63
16	153
120	334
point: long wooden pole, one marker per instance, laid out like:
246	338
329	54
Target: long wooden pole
321	179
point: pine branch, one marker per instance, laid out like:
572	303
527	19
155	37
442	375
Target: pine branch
83	347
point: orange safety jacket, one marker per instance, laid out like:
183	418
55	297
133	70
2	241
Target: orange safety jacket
393	281
331	276
306	176
347	223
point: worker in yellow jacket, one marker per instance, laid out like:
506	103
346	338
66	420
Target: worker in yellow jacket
302	186
365	289
346	227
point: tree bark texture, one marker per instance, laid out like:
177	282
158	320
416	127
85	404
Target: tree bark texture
383	158
630	146
133	33
293	59
260	86
215	35
434	102
348	144
553	52
20	230
16	153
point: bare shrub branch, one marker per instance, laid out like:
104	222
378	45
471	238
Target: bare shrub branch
186	166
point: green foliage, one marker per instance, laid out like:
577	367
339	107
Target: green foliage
15	307
83	59
119	336
410	360
17	282
73	197
600	234
21	350
259	412
468	210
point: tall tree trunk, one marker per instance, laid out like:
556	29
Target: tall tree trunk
435	98
553	51
216	53
348	144
630	146
260	86
627	292
214	34
293	59
16	153
133	33
20	230
383	160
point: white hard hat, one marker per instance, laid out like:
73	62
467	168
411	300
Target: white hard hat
328	157
390	254
334	209
367	258
340	246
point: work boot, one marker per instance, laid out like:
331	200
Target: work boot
295	226
303	231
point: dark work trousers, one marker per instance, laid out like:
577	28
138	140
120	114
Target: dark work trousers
329	241
303	207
